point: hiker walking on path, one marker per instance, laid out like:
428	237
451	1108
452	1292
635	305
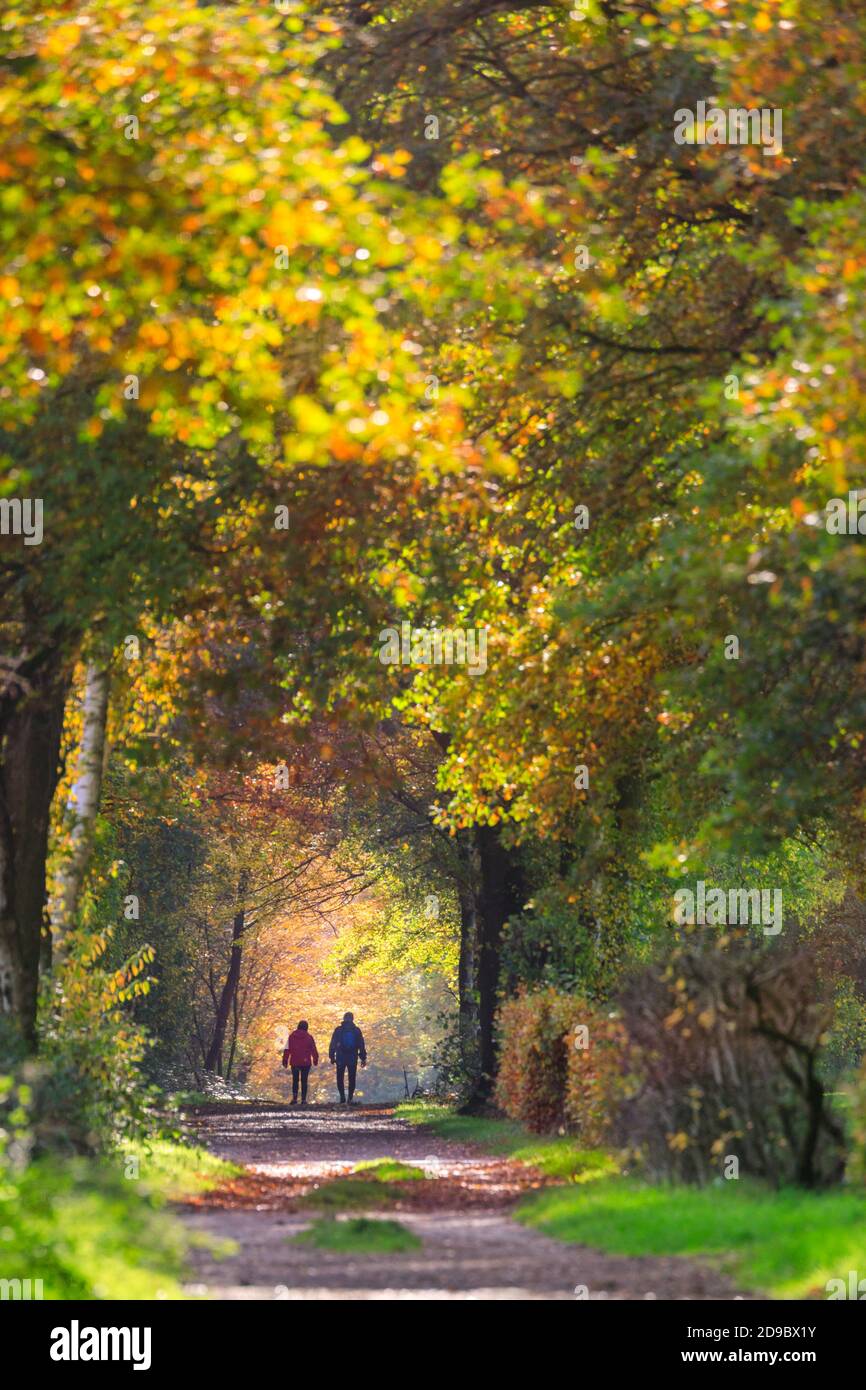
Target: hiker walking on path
347	1045
300	1052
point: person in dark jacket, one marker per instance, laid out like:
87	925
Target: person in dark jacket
347	1045
300	1053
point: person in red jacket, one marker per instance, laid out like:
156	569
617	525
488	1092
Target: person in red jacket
300	1052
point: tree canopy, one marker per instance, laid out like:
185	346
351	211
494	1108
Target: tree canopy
457	406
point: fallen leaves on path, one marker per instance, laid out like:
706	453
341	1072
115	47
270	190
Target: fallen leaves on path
456	1176
488	1184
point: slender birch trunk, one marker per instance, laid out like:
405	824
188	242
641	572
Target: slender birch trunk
84	798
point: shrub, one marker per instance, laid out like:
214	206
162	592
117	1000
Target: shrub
456	1058
88	1091
717	1053
531	1083
598	1076
728	1035
547	1080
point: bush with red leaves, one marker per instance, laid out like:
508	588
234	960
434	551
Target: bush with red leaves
562	1063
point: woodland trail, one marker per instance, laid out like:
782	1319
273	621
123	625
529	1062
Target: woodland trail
471	1248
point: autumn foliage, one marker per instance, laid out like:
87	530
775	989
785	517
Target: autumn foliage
563	1064
288	366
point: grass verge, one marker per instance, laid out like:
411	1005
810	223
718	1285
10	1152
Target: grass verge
175	1170
785	1244
558	1156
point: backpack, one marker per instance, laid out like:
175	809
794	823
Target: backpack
348	1037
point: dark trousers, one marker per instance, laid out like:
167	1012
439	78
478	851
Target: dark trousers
352	1069
301	1074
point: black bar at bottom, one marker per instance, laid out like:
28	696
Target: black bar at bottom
254	1338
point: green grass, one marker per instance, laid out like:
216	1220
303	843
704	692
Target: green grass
786	1244
371	1184
347	1194
87	1233
389	1170
359	1235
175	1170
93	1230
558	1156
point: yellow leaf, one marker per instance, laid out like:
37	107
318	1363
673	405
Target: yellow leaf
61	41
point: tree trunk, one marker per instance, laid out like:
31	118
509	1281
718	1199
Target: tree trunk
84	797
500	893
234	1043
214	1060
467	964
31	723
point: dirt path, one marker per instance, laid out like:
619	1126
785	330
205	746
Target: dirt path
471	1248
